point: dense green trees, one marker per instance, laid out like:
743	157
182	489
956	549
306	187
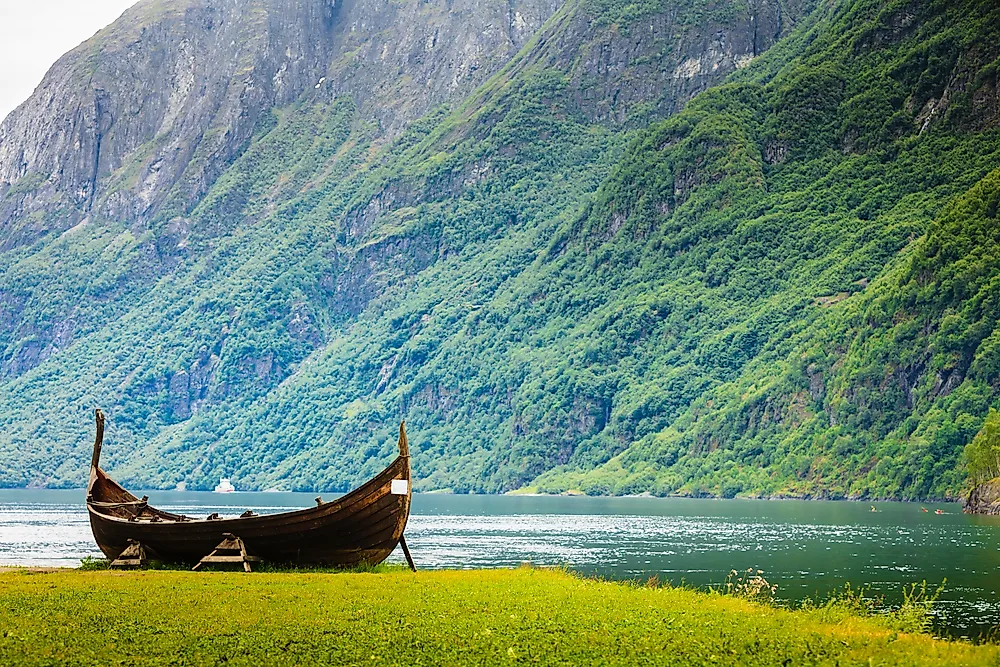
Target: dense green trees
983	453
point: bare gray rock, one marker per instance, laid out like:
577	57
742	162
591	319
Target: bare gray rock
984	498
155	106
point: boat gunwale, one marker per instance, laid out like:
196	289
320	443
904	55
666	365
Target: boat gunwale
326	508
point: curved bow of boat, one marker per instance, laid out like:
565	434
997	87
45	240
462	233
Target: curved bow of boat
404	444
95	460
101	489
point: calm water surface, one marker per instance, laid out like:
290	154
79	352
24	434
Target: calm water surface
808	548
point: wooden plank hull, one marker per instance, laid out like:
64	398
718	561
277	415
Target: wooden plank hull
363	526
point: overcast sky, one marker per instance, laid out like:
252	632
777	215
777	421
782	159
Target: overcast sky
34	33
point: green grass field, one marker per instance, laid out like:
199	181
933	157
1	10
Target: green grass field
395	617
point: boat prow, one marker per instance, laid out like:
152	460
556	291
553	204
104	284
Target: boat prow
363	526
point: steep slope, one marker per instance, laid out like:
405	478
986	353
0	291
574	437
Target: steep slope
692	329
844	255
222	316
135	126
721	245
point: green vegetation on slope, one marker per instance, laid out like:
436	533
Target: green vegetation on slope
471	617
305	241
983	453
788	288
848	300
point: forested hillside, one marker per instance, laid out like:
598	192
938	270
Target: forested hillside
842	252
633	248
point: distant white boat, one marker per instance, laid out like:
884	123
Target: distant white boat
224	486
181	486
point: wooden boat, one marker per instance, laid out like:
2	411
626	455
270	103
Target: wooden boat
363	526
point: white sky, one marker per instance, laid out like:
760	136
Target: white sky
34	33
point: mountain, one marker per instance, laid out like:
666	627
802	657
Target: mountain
597	246
168	96
843	250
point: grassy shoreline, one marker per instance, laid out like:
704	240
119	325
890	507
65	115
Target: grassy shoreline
392	616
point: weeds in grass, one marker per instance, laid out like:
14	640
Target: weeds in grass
915	614
858	601
750	585
91	563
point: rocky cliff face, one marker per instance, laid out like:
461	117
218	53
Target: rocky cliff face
161	101
136	125
649	67
984	499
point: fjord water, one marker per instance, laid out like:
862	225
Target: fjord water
808	548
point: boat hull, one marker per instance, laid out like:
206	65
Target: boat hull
364	526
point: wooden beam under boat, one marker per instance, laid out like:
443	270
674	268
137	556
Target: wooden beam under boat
363	526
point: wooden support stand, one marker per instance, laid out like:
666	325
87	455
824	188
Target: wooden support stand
406	552
231	550
135	555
